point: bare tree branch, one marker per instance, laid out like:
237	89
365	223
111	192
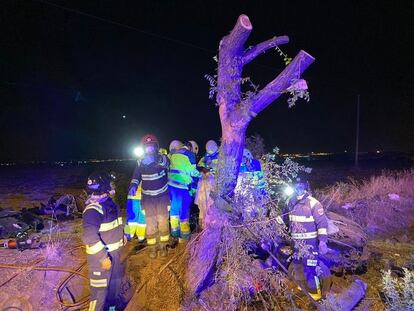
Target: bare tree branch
252	53
276	87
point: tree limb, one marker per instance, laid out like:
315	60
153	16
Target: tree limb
252	53
230	67
276	87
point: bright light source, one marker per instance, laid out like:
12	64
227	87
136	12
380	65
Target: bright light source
378	151
138	151
289	191
124	116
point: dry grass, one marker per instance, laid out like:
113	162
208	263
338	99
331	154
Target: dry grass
369	204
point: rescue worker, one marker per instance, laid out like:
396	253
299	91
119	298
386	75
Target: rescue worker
163	151
180	178
194	147
152	173
250	188
207	165
136	224
308	227
251	167
103	237
174	146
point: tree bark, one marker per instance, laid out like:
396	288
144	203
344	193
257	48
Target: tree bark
236	113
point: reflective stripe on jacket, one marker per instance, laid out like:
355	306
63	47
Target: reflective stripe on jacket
307	220
137	195
153	177
209	161
182	170
102	228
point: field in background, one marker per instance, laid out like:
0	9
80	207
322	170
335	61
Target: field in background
27	185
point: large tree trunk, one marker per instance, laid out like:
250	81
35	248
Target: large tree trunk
236	113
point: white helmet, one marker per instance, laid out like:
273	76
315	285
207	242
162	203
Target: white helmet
194	146
175	145
247	154
211	147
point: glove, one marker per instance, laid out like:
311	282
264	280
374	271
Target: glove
106	263
132	190
323	248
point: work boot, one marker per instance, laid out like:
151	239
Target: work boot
152	251
163	250
173	242
141	245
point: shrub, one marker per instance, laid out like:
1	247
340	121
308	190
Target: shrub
398	293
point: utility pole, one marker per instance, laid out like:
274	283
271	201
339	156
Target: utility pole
357	134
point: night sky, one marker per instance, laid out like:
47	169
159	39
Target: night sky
68	78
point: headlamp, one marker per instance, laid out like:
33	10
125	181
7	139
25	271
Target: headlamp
289	191
139	151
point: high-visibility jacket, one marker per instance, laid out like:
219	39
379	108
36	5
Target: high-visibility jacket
153	177
307	220
182	169
253	173
209	161
102	228
137	195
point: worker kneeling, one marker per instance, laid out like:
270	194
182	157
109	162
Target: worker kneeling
152	172
103	237
308	227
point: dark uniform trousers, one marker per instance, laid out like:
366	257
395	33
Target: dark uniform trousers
105	285
103	237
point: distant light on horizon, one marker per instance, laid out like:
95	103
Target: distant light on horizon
378	151
124	117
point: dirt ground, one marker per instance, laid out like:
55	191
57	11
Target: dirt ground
159	284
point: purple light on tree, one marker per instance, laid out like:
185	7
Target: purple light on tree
236	111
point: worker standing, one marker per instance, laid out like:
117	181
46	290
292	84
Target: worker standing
152	173
180	178
308	228
208	166
174	146
194	149
136	223
103	238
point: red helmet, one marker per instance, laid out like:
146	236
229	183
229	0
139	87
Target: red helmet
149	139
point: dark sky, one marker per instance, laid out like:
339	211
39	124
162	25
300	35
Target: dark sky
66	79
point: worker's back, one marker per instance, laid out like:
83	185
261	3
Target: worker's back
182	168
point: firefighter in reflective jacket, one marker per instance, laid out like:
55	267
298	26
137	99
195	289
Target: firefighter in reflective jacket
136	223
180	178
308	228
152	173
103	237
